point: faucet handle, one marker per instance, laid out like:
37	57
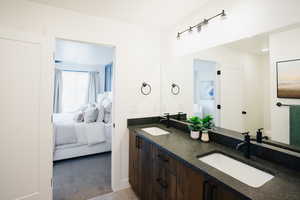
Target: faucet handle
260	129
166	114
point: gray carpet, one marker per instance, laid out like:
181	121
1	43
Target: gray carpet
82	178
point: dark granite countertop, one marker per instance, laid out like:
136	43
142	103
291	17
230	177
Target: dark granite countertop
284	186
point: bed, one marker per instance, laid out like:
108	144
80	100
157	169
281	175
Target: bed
74	139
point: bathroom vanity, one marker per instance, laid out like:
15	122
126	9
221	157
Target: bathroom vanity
165	164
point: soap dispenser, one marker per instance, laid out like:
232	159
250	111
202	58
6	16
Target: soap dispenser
259	136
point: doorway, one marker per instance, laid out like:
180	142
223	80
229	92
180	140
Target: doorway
205	89
82	119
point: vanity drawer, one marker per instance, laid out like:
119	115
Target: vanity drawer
165	160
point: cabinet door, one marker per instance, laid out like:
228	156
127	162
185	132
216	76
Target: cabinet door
220	193
146	169
134	169
170	185
164	176
190	184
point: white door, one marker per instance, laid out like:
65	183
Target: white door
25	145
231	99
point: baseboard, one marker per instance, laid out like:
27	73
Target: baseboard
124	183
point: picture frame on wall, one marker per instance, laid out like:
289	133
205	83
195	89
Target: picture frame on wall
288	79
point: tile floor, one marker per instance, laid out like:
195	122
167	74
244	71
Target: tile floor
126	194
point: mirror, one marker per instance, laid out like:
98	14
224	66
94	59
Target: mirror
236	83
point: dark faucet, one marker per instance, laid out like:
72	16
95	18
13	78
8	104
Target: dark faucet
179	115
259	136
246	143
166	118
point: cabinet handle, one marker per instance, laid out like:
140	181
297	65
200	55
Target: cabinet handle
136	142
162	158
162	183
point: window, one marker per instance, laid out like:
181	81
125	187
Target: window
75	87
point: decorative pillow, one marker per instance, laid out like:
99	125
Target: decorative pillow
107	117
83	108
107	104
100	117
78	117
90	115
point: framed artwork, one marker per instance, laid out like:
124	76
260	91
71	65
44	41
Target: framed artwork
206	89
288	79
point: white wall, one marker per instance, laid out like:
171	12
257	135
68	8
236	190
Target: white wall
137	60
83	53
244	19
283	46
254	74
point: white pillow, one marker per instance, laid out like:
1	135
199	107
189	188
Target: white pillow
107	117
90	115
100	117
78	117
83	108
107	104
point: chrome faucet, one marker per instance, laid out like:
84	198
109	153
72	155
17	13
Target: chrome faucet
245	144
166	118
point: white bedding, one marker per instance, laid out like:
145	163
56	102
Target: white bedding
67	131
64	129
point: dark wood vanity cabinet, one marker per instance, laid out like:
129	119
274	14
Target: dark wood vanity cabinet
140	166
155	175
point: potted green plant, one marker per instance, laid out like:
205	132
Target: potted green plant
207	124
195	127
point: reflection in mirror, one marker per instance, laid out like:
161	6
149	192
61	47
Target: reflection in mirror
236	83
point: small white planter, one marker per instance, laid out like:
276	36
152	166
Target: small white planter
205	136
195	135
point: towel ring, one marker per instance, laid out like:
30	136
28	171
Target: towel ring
175	89
144	86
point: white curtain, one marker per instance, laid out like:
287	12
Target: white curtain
93	87
57	101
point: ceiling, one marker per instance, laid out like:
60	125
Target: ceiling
159	13
253	45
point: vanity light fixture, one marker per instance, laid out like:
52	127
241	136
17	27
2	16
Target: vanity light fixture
178	36
199	25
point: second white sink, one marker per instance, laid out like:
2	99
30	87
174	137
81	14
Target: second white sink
245	173
155	131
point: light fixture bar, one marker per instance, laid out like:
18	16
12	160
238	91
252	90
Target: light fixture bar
199	25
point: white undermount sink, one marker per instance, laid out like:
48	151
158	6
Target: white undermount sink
155	131
245	173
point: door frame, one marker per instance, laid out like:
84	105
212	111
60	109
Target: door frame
114	153
45	108
217	89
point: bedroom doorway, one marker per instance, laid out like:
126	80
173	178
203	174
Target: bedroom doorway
82	119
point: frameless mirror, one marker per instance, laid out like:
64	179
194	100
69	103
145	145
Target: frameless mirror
240	84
